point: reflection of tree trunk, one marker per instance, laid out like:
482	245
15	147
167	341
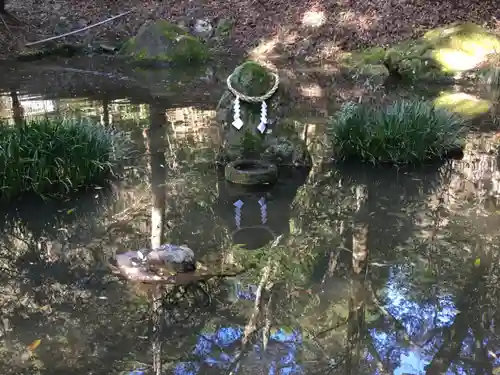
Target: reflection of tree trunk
105	113
158	175
356	327
455	334
359	233
482	364
156	137
57	106
157	329
264	285
452	343
17	109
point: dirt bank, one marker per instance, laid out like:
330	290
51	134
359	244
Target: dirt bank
296	28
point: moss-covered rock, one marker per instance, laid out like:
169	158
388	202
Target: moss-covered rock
463	104
252	79
371	56
442	53
161	41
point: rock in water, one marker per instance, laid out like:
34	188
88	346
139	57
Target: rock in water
161	41
164	264
253	79
171	259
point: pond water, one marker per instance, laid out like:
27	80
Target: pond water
364	271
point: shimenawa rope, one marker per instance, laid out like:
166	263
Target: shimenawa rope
254	99
238	123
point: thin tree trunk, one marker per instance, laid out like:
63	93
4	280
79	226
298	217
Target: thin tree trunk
455	334
156	136
452	344
359	232
17	109
356	327
105	113
157	319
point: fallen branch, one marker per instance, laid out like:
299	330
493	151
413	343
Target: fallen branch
79	30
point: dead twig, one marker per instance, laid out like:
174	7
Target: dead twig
79	30
6	26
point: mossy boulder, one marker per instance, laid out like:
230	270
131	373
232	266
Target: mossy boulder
253	79
162	41
443	53
463	104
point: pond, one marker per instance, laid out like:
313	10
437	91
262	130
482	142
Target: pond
355	270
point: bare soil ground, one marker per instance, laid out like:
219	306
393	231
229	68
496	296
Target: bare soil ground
299	28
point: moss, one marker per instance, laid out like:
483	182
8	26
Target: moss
462	104
371	56
163	41
443	52
251	144
251	78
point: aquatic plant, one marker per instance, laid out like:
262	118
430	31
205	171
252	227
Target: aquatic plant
404	132
52	157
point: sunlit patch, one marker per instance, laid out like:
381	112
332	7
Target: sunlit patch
311	91
462	47
462	103
267	49
314	18
456	60
264	49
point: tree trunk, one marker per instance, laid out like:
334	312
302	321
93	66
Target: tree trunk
156	136
356	329
105	113
17	109
2	7
157	320
360	232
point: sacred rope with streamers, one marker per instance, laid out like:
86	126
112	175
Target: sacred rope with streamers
238	123
254	99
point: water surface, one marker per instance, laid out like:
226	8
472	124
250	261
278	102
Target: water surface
376	271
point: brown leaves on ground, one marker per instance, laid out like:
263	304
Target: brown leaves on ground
295	27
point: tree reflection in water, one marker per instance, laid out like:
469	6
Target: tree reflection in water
227	337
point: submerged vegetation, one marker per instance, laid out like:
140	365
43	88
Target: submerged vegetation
404	132
56	156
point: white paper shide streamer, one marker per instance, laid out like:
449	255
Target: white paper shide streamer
237	123
237	213
263	210
263	117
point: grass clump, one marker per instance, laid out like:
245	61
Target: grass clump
53	157
402	133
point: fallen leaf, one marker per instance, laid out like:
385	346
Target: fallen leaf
31	347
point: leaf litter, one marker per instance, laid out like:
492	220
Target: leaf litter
308	24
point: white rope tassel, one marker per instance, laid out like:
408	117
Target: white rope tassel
263	210
237	123
237	213
263	117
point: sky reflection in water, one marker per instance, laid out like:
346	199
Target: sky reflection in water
415	317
